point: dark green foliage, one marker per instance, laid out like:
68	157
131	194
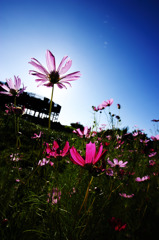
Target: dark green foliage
26	189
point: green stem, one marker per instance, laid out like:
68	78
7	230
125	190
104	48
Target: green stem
15	120
17	129
51	105
86	196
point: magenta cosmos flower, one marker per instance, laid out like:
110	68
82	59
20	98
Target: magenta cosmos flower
91	156
117	163
54	151
53	75
13	88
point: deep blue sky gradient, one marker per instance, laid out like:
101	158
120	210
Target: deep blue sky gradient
115	45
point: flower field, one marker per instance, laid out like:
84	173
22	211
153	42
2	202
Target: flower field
76	184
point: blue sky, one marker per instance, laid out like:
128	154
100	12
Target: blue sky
115	45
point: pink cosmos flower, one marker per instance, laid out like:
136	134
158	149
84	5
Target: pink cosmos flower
135	134
37	136
55	151
152	162
107	103
125	195
117	163
13	89
152	154
100	107
95	109
103	105
109	172
144	141
52	75
43	162
17	180
55	196
85	133
154	138
91	156
138	179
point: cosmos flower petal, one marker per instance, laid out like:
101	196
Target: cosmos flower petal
110	163
6	93
65	150
40	75
66	67
79	131
17	82
72	76
99	154
10	83
50	61
38	65
55	145
90	153
76	157
115	161
85	130
5	87
60	85
62	63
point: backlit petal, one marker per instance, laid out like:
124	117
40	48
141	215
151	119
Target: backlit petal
50	61
39	66
66	67
61	63
5	87
10	83
17	82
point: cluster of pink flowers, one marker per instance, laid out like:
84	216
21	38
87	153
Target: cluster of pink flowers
103	105
44	162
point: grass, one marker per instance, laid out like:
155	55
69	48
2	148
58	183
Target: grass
89	205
